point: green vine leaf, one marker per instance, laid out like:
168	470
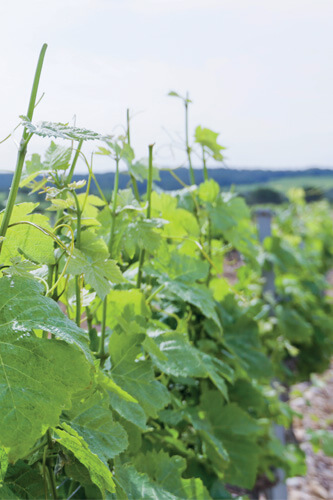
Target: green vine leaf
61	131
100	474
180	358
22	312
136	485
98	271
136	377
22	237
167	472
38	378
94	423
207	138
22	481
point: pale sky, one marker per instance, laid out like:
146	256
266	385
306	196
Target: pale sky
259	72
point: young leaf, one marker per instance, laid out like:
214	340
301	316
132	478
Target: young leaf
167	472
99	473
98	271
130	411
218	372
208	138
243	340
23	312
62	131
34	165
182	359
137	485
57	157
105	437
23	236
208	191
119	300
136	377
197	295
172	93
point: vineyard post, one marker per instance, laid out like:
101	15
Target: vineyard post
264	225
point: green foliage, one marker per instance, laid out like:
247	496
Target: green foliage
166	390
20	239
60	131
136	378
38	376
99	473
208	139
93	421
322	440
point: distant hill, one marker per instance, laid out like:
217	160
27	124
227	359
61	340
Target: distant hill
225	177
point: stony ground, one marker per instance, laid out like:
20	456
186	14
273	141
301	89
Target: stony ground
315	402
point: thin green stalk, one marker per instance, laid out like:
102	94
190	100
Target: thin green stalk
128	133
56	275
99	188
102	354
53	483
78	220
149	190
205	171
74	162
44	472
33	450
22	148
78	301
209	250
141	261
77	278
133	179
49	284
50	275
188	147
150	180
156	292
114	206
89	318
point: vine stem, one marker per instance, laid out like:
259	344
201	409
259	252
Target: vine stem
205	171
53	483
133	179
188	147
102	354
149	190
209	250
74	162
78	243
22	148
114	206
156	292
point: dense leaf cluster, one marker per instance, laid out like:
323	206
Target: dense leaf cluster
130	366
